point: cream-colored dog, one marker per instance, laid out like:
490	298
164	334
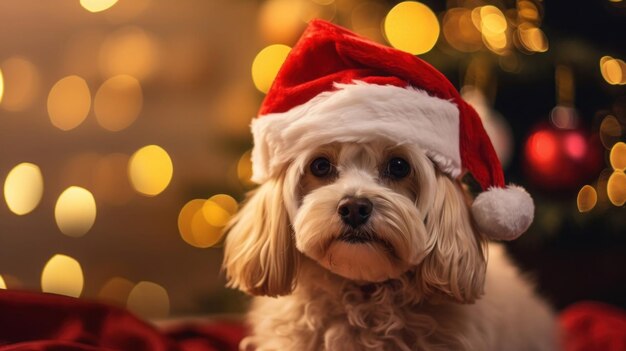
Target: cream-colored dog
368	246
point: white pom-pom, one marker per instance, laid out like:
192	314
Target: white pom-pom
503	213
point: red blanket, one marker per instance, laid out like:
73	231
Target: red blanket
46	322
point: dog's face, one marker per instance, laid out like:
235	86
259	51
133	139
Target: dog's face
359	209
368	212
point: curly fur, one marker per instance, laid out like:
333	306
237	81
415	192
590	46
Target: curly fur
418	286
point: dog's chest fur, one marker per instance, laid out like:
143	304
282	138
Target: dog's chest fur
328	313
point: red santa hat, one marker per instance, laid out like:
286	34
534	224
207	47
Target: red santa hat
335	86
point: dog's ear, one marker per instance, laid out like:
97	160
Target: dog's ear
456	265
259	252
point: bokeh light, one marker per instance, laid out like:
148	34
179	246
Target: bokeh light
613	70
280	21
218	209
130	50
459	30
69	102
527	11
118	102
116	290
610	131
21	83
1	85
62	275
266	65
75	211
149	300
542	147
3	285
616	188
244	169
587	198
412	27
194	228
532	38
97	5
150	170
618	156
23	188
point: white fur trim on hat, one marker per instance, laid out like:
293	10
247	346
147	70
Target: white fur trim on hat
358	112
503	213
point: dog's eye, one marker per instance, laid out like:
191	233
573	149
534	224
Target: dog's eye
321	167
398	168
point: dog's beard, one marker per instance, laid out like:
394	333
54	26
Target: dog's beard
391	242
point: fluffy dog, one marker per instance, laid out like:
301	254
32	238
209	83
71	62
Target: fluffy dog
361	235
375	249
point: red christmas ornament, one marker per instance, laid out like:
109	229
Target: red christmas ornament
561	159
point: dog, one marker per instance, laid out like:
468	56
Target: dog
370	247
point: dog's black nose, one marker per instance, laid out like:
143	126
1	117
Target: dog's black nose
355	211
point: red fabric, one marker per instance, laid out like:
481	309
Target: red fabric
46	322
593	326
328	54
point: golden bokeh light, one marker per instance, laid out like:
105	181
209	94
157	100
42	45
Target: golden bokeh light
62	275
97	5
75	211
150	170
1	85
218	209
527	11
587	198
118	102
266	65
194	228
616	188
131	51
610	131
460	32
532	38
69	102
492	20
3	285
23	188
613	70
149	300
280	21
618	156
116	290
412	27
21	83
244	169
496	42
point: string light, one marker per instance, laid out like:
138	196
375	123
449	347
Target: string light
587	199
412	27
62	275
150	170
149	300
618	156
616	188
75	211
266	65
69	102
21	83
613	70
23	188
97	5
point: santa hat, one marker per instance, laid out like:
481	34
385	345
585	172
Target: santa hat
335	86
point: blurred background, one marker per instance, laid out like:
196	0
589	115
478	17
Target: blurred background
124	140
